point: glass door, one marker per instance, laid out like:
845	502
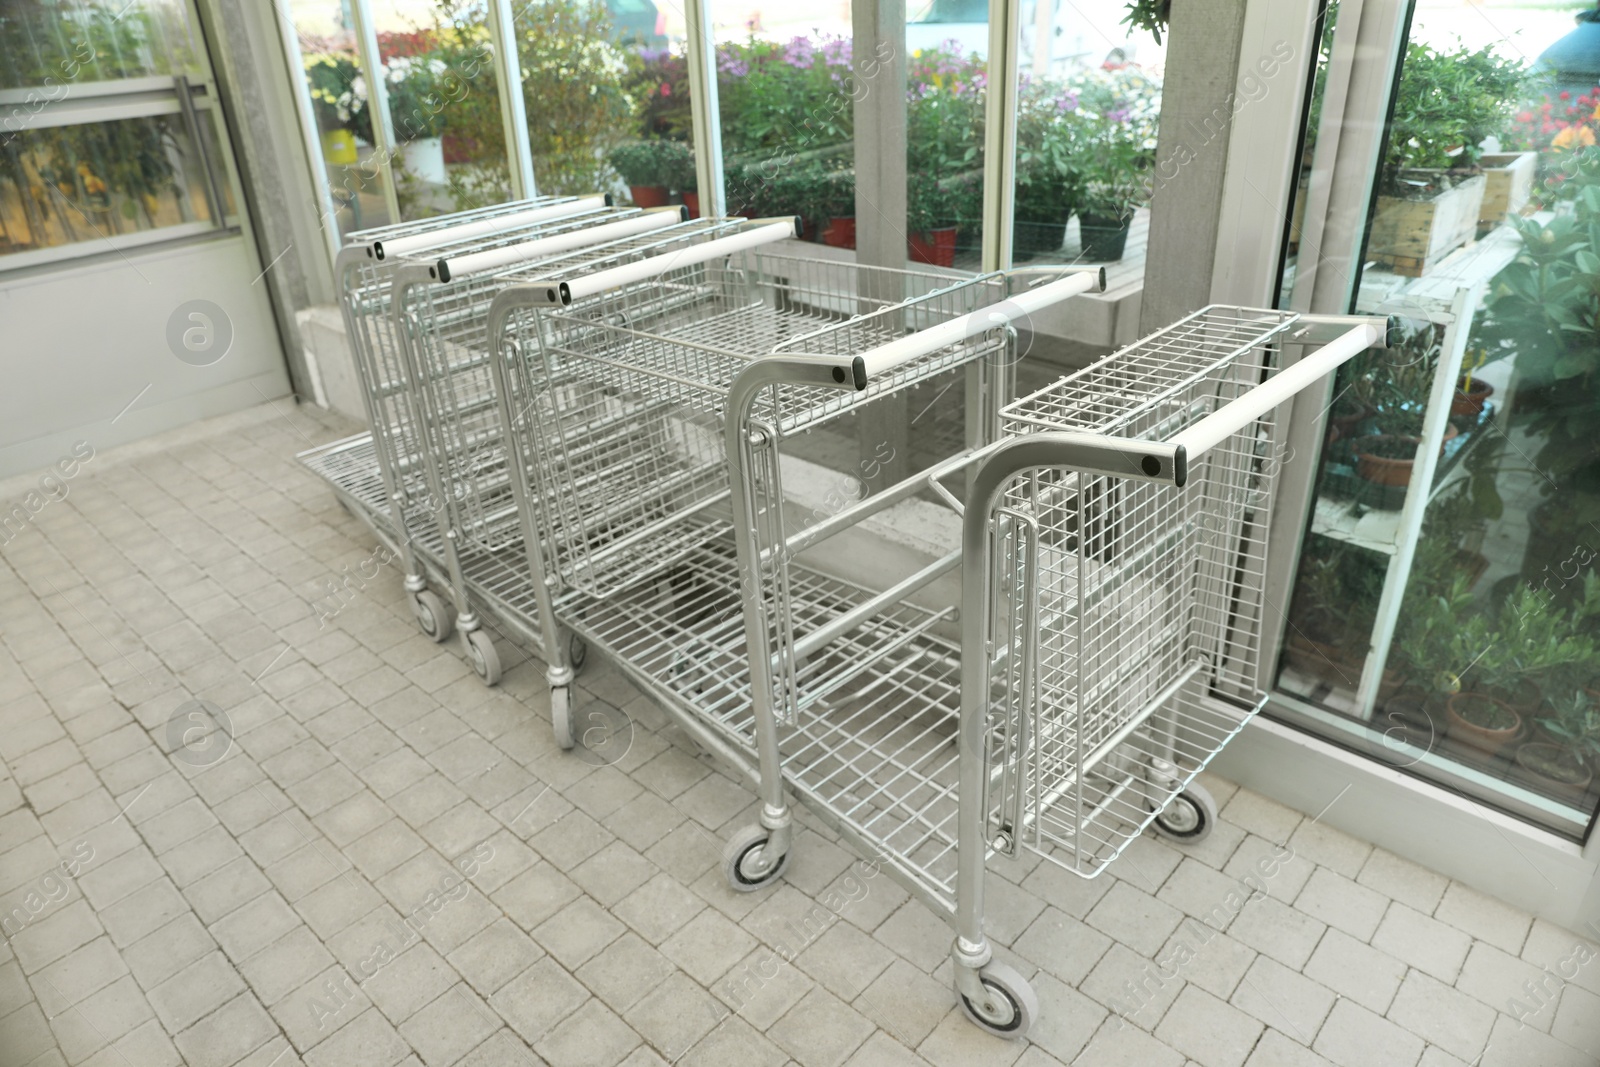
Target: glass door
1444	611
117	179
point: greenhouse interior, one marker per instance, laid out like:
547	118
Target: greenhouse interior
875	532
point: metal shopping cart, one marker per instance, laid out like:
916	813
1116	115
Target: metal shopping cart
1112	561
638	552
379	475
441	319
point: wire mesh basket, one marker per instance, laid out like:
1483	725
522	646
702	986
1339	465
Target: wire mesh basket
1125	609
625	402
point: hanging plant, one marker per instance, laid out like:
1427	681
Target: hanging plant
1149	15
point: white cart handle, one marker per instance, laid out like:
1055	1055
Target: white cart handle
564	293
1235	415
411	244
492	259
885	358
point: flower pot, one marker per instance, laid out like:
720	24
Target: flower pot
937	247
1381	469
1347	414
1552	770
461	149
1524	698
1032	236
1103	239
1509	178
339	147
648	195
1496	723
424	159
1411	237
691	200
840	232
1471	402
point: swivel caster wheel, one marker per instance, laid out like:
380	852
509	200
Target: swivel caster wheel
1012	1004
1189	816
432	616
577	652
743	864
481	654
561	716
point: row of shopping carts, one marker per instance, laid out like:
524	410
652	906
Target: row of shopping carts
605	429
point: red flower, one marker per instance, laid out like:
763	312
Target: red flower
1548	127
1564	95
1546	107
1526	116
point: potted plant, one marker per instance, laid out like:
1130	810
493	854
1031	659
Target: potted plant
686	180
1562	762
1481	721
1111	165
930	221
333	80
833	197
1113	145
1431	187
646	168
415	106
1314	643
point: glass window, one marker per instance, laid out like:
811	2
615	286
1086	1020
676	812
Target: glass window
109	134
47	43
784	83
341	108
1445	613
584	80
444	106
63	185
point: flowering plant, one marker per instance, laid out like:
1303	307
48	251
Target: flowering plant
1113	139
338	92
944	110
416	85
1561	124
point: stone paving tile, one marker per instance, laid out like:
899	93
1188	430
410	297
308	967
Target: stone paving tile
297	900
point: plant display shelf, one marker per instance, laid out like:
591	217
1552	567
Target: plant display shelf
1354	510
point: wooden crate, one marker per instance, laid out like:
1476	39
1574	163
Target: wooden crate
1410	237
1510	177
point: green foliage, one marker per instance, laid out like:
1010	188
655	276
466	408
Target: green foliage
1573	717
91	41
1447	102
1149	15
657	162
574	79
1544	309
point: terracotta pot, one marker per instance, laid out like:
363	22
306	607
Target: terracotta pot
840	232
1344	425
1525	699
691	200
1536	752
937	247
648	195
1471	403
1391	683
1484	739
1381	470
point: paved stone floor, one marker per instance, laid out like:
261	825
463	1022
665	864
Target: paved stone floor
165	905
